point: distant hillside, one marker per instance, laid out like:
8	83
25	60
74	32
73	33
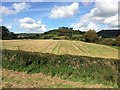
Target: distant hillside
109	33
28	35
63	31
60	33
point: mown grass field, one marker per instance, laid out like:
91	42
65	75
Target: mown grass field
60	47
72	61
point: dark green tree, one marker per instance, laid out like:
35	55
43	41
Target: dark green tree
118	40
6	34
90	36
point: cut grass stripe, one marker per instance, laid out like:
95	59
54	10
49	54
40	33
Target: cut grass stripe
47	46
59	48
78	47
55	47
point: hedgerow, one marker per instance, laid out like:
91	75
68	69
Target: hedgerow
75	68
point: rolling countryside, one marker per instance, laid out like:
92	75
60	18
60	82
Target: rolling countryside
59	44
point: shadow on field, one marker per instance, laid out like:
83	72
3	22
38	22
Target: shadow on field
76	68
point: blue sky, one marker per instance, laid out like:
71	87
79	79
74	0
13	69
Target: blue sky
42	16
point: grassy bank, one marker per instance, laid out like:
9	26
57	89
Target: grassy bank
76	68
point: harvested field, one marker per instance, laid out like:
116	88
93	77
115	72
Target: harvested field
62	47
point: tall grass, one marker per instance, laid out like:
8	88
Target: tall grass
75	68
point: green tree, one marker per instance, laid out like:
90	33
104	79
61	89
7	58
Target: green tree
90	36
6	34
118	40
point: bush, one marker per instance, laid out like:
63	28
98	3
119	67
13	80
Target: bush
118	41
90	36
108	41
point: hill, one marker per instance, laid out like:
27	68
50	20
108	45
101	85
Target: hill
109	33
64	31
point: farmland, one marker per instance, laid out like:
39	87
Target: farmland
60	47
59	44
71	63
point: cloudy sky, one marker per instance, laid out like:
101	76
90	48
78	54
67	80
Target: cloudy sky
42	16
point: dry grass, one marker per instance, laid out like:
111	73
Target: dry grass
14	79
62	47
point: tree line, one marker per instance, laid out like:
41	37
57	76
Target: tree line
62	33
6	34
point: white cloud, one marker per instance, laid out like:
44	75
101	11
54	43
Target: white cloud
27	20
64	11
87	20
103	13
20	6
87	2
6	11
30	24
9	27
92	26
86	27
105	9
15	8
112	21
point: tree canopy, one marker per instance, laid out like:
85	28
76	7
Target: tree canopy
90	36
6	34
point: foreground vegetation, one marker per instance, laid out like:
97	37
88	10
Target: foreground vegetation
76	68
13	79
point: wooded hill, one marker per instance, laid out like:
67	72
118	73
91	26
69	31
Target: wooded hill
109	33
63	33
60	33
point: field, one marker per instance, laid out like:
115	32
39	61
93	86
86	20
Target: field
61	63
60	47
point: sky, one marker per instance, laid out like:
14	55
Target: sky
39	17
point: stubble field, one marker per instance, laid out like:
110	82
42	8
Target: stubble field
61	47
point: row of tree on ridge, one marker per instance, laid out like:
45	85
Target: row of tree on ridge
60	34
